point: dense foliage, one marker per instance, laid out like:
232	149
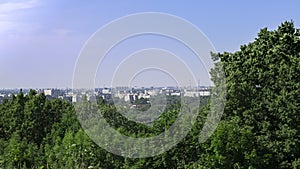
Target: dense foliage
261	123
39	133
260	127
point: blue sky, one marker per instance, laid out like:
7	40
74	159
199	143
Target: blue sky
40	39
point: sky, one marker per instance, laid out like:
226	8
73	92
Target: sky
40	40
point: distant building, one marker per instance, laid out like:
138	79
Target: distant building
47	92
76	98
131	97
106	91
175	94
196	93
54	93
106	96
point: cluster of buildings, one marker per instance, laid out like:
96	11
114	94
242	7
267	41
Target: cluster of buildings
138	93
64	94
7	93
123	93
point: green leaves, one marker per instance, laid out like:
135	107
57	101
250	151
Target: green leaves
263	81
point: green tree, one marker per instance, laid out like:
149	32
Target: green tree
263	86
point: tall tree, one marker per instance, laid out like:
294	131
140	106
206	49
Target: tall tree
263	103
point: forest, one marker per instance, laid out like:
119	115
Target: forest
260	126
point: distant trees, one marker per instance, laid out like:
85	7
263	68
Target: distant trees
28	123
40	133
